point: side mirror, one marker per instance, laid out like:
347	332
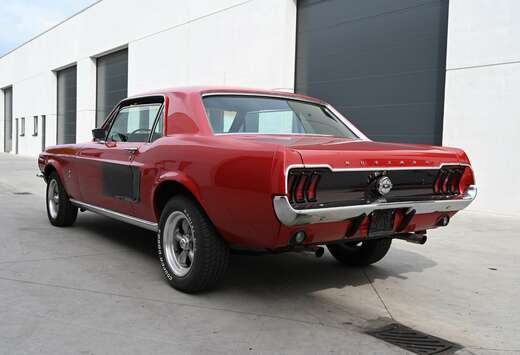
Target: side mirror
99	134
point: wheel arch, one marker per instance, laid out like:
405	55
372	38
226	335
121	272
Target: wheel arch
170	187
50	167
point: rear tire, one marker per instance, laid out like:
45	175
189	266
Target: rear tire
360	253
60	211
192	254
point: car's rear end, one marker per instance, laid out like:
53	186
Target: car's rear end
332	185
358	190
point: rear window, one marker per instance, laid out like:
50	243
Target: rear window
229	114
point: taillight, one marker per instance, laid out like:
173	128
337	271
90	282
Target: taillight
454	183
437	184
445	183
300	189
311	191
302	186
291	186
453	180
467	179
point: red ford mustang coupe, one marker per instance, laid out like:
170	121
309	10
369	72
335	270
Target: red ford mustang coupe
217	169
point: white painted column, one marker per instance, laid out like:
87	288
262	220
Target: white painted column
2	120
51	109
481	111
86	99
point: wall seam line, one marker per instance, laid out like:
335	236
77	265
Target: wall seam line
484	65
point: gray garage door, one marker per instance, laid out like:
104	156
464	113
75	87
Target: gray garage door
67	94
8	119
112	83
380	62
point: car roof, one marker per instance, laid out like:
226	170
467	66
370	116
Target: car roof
201	90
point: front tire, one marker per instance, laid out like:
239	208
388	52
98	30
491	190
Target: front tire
192	254
60	211
360	253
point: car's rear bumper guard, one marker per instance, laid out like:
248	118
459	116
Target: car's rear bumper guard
292	217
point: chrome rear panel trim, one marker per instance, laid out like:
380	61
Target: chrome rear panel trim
292	217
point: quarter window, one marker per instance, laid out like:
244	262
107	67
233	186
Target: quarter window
134	123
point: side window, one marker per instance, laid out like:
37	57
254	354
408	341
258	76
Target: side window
133	123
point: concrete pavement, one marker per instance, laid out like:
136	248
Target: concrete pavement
97	288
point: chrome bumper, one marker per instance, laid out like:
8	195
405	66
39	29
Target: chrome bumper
291	217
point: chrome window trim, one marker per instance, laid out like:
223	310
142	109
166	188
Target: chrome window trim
122	103
332	110
275	95
277	134
120	108
289	216
349	124
160	115
116	215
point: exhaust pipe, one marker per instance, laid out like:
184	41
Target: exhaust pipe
443	221
415	238
313	249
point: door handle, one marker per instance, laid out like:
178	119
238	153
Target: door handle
131	150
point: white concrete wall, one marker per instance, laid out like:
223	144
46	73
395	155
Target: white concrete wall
482	104
170	43
1	121
231	48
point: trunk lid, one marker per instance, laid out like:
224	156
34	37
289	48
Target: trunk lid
340	153
344	153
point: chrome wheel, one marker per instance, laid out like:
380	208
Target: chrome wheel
178	243
53	198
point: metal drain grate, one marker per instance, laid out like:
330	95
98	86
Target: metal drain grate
414	341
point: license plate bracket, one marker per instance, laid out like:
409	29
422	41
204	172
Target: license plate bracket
381	222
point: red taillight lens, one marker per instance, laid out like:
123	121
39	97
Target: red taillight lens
299	195
291	187
445	183
311	191
302	186
453	180
437	184
466	180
